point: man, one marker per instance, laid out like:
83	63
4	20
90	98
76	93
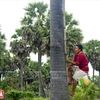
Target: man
77	68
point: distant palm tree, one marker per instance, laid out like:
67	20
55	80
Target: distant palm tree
92	49
34	32
59	88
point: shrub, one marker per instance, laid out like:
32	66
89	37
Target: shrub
16	95
35	99
85	93
4	85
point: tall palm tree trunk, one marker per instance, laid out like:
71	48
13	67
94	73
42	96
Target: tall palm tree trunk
99	78
41	88
93	74
21	75
59	87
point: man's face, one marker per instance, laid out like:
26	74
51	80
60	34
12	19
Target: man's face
77	50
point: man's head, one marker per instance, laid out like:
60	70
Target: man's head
78	48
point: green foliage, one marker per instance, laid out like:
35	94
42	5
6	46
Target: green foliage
34	86
40	99
34	11
85	93
13	82
16	95
35	99
4	86
46	72
34	35
92	49
4	55
73	34
30	71
19	48
34	32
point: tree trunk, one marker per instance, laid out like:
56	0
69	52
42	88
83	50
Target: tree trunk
65	33
93	74
41	88
99	78
59	86
21	75
1	77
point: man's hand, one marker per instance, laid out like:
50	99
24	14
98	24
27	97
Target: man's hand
67	60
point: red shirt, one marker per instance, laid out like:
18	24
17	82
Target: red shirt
81	61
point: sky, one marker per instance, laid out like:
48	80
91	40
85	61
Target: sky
86	12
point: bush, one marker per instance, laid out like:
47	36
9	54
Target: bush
4	85
34	86
16	95
35	99
40	99
85	93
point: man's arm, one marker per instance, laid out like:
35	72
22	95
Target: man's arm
72	62
79	60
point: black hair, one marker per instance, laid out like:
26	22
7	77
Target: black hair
80	47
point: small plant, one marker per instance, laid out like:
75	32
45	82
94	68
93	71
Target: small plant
85	93
17	95
35	99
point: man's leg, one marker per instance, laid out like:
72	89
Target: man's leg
77	75
73	87
70	70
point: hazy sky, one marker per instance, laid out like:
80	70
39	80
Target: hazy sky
86	12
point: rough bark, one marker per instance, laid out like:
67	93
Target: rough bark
21	75
59	86
41	88
99	78
93	74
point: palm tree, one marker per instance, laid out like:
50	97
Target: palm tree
4	54
59	87
34	32
73	33
99	77
92	49
21	51
98	65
